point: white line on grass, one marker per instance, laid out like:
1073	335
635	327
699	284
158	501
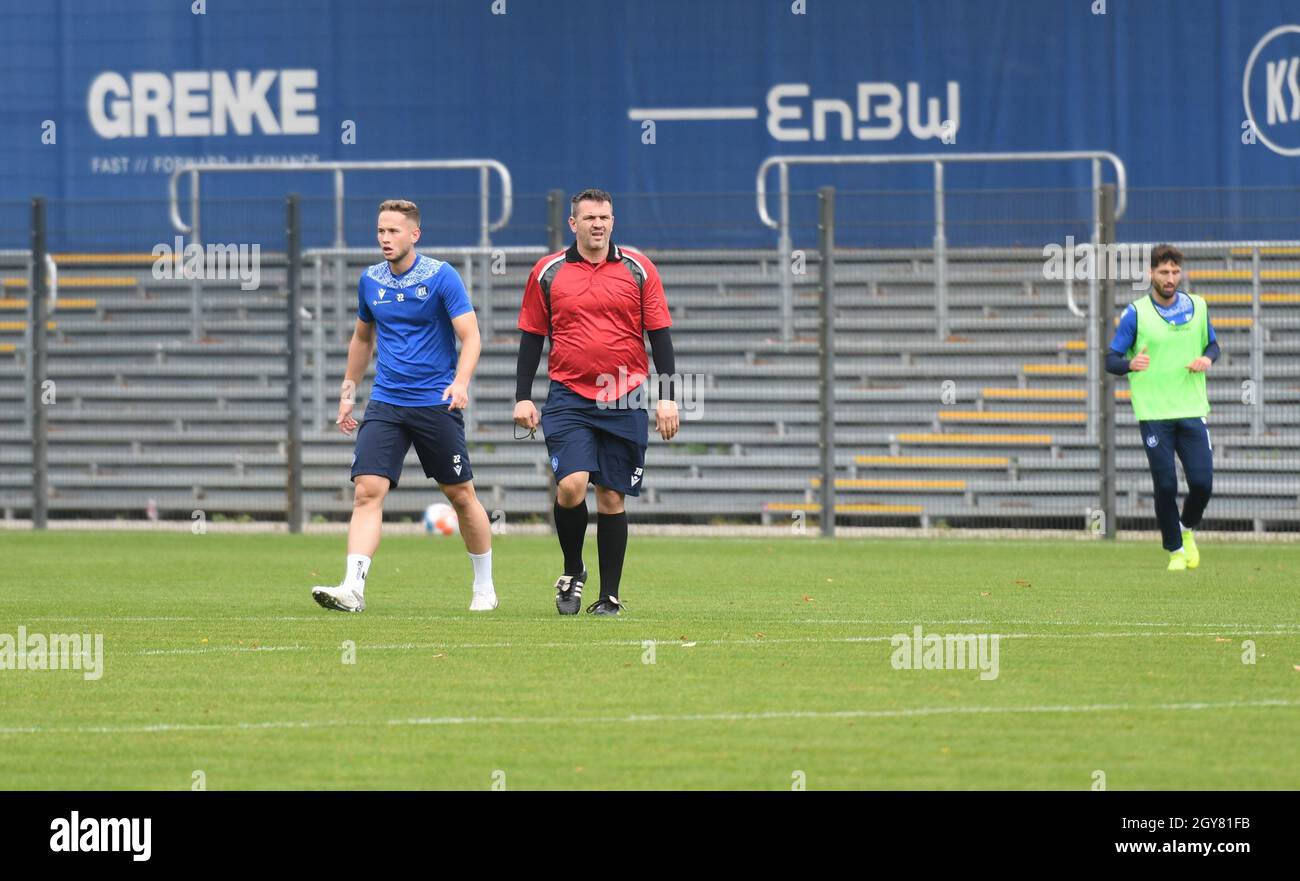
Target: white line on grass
809	640
270	619
324	616
1000	623
773	715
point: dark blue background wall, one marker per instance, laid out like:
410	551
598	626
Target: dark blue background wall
548	86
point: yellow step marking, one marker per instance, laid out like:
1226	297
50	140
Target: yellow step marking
68	303
74	258
1070	394
87	281
1010	416
932	461
21	325
1281	252
969	438
1051	368
1243	274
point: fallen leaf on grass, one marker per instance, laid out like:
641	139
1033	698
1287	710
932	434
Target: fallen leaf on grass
1222	639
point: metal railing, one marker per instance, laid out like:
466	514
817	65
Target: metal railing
938	160
487	226
483	166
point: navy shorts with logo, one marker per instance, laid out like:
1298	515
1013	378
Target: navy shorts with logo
388	431
607	440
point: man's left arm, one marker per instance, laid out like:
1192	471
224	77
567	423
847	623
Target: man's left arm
657	320
667	419
1211	353
466	327
455	299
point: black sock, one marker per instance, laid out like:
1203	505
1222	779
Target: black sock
611	542
571	527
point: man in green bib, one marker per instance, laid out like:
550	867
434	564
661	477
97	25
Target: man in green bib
1165	343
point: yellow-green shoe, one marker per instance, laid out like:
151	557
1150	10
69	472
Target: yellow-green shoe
1189	546
1178	562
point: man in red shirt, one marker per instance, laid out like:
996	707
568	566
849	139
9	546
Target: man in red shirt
595	301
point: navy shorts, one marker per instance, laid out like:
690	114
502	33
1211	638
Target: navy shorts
388	431
607	440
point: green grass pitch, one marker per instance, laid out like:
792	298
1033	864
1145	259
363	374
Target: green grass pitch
772	664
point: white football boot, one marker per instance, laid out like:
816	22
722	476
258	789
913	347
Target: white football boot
483	601
340	599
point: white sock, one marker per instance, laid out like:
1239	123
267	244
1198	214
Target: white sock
1182	527
1179	550
355	576
482	571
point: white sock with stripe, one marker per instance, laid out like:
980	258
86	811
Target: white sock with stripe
358	569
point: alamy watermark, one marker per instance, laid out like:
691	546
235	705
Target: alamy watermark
1086	261
179	261
934	651
78	834
688	391
56	651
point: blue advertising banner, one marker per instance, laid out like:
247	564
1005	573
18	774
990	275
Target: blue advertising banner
101	101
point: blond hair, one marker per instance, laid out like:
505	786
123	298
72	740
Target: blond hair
403	207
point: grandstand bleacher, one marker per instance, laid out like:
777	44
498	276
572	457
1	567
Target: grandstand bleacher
144	411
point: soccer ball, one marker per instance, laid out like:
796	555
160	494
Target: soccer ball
440	519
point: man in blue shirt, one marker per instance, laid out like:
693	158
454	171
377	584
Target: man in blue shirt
416	308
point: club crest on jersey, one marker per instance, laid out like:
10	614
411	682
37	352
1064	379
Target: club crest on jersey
421	292
1152	441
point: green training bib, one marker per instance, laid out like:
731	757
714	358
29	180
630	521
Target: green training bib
1167	389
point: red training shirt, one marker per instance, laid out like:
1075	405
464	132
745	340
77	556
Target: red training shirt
597	317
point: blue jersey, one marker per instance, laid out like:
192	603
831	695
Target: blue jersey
1177	312
412	313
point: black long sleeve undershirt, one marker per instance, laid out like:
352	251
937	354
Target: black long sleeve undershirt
1117	362
530	356
661	350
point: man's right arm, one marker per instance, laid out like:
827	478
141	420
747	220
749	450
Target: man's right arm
360	350
530	356
1117	360
534	323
